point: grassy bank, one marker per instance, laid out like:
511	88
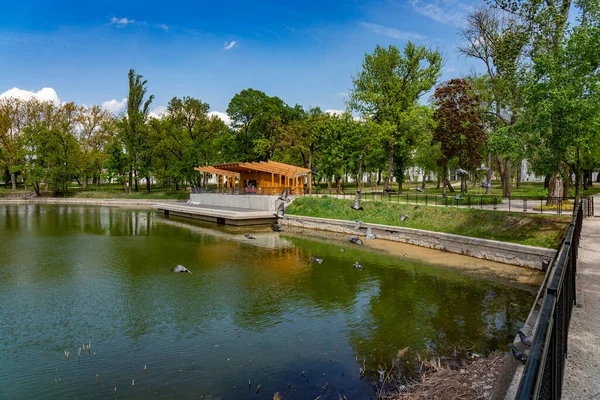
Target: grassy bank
529	229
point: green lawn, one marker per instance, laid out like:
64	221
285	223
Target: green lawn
529	229
533	189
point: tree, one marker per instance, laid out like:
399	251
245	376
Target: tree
243	109
11	123
389	84
134	120
459	129
498	41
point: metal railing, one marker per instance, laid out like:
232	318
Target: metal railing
528	204
543	374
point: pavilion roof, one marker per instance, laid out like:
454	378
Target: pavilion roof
271	167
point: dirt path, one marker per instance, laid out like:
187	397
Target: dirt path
582	370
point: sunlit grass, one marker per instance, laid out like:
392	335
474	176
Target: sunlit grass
529	229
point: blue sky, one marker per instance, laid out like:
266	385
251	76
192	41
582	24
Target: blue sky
302	51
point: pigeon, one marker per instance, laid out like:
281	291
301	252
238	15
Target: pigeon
249	236
355	240
419	189
403	217
482	168
461	171
517	354
526	340
358	266
486	184
284	195
315	259
457	197
370	234
180	268
277	227
358	224
356	206
389	190
280	211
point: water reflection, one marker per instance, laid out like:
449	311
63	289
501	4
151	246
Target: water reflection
251	309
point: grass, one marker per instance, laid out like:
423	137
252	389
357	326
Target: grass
533	230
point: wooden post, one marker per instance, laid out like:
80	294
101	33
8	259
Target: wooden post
309	177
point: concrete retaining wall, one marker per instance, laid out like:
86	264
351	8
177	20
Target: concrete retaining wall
251	201
508	253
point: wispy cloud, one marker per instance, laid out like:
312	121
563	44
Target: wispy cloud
229	46
392	32
445	11
121	22
164	27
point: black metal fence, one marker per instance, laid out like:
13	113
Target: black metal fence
530	204
544	371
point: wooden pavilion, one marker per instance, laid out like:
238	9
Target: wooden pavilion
264	177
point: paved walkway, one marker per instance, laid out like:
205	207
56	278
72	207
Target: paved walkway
582	370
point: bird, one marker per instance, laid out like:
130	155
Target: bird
419	189
358	266
370	234
356	206
517	354
358	224
249	236
457	197
526	340
482	168
280	211
315	259
486	184
389	190
180	268
461	171
355	240
258	388
284	196
277	227
381	375
403	217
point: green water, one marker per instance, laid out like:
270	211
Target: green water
252	309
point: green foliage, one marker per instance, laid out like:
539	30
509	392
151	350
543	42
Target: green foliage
533	230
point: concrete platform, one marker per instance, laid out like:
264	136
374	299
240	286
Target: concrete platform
218	214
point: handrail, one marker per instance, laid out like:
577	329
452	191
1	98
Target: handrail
543	373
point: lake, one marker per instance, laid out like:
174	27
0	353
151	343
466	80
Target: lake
251	309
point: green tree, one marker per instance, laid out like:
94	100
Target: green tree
459	129
389	84
133	126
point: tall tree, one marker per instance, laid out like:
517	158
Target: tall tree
459	128
134	121
389	84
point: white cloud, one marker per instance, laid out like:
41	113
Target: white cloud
46	94
164	27
114	105
335	112
158	112
121	22
224	117
229	46
445	11
392	32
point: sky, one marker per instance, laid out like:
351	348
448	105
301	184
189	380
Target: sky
305	52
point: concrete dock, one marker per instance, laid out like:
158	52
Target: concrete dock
224	215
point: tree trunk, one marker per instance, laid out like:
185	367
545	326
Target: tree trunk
386	183
424	180
135	180
546	181
13	180
148	184
566	186
130	182
519	177
444	181
506	187
555	188
439	182
378	177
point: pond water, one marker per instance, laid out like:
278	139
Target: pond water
251	309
